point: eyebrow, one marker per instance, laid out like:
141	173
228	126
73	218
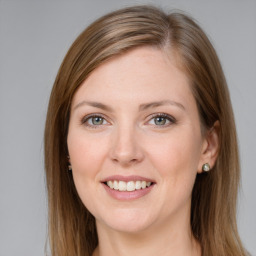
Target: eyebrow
160	103
142	107
94	104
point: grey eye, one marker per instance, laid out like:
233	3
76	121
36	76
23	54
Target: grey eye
160	120
96	120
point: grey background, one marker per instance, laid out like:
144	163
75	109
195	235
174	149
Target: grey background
34	37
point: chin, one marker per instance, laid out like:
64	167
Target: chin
127	221
128	227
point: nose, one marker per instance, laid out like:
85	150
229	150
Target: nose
126	149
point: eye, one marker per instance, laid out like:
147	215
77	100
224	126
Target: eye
94	121
161	120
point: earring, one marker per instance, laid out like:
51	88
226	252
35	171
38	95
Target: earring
206	167
69	164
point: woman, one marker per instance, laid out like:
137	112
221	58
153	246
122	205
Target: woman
141	153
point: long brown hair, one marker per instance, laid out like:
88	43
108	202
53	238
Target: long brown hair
72	230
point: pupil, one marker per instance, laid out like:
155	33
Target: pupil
160	120
97	120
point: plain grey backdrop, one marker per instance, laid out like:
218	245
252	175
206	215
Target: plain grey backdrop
34	37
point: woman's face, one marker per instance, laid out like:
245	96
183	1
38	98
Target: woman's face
135	142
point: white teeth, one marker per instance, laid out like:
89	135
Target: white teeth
116	186
110	184
128	186
138	184
122	186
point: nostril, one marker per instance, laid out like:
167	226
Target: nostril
125	160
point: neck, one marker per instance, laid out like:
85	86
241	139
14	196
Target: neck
165	240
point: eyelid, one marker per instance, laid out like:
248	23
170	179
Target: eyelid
84	120
160	114
169	117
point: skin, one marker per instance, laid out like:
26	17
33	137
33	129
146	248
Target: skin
130	141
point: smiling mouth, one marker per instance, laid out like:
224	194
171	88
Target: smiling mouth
128	186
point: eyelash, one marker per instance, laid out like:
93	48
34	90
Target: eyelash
169	118
85	120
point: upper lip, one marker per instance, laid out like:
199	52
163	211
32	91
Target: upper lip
127	178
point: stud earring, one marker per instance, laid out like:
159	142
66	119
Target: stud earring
69	164
206	167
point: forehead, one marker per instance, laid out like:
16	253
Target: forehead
141	74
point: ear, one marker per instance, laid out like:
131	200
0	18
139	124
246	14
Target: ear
210	147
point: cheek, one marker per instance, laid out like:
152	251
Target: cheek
176	159
86	153
177	154
86	156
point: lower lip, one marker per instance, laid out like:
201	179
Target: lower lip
127	195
